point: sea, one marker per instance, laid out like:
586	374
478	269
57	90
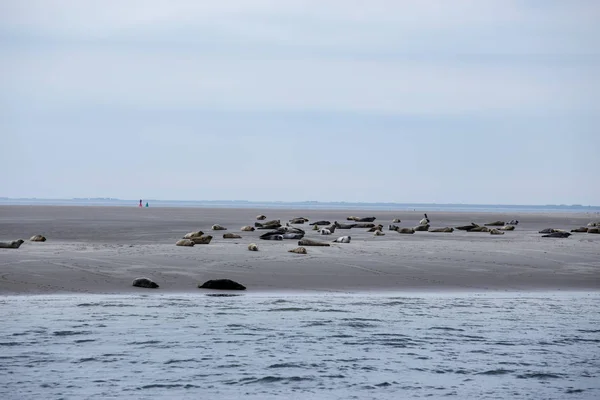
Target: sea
535	345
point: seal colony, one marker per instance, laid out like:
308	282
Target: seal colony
273	230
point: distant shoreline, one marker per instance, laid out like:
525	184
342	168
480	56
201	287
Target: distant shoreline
302	205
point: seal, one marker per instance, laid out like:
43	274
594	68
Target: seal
550	230
378	233
479	229
37	238
362	225
308	242
557	235
217	227
252	247
375	228
320	223
247	228
325	231
593	229
421	228
231	236
15	244
261	217
271	236
298	250
424	221
583	229
409	231
298	220
513	222
467	227
594	224
222	284
268	225
343	239
202	239
393	227
185	242
343	226
361	219
446	229
507	228
495	223
496	232
396	221
193	235
144	283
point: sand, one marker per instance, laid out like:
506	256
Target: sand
102	249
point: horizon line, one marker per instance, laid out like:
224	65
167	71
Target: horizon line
296	202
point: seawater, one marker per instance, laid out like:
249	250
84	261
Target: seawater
321	346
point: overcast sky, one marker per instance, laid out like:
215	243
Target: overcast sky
493	102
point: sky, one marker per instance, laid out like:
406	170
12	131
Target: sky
431	101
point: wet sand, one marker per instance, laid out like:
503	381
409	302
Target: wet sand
102	249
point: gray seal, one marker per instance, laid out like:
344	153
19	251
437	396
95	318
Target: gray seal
15	244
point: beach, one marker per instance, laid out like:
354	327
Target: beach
100	250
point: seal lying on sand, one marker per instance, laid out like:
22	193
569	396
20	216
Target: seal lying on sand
496	232
378	233
507	228
320	223
343	239
271	236
15	244
247	228
396	221
144	283
193	235
325	231
268	225
376	228
363	225
308	242
479	229
231	236
557	235
293	235
593	229
343	226
513	222
298	250
443	230
424	221
252	247
222	284
298	220
217	227
393	227
202	239
405	230
185	242
594	224
261	217
495	223
551	230
583	229
37	238
421	228
361	219
467	227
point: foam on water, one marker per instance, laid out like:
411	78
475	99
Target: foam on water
293	346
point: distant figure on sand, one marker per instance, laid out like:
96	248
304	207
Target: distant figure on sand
146	204
140	203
